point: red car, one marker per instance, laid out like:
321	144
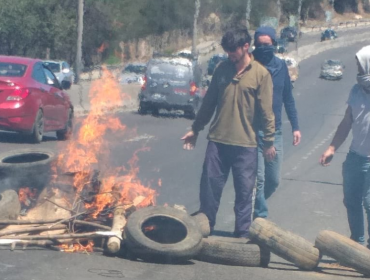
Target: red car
32	100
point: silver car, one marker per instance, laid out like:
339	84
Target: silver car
332	69
62	71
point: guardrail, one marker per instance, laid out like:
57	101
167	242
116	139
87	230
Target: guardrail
339	25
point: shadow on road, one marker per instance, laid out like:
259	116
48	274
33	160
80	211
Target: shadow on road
327	267
16	138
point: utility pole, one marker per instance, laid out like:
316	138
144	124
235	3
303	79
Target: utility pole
80	23
297	22
278	12
195	27
248	13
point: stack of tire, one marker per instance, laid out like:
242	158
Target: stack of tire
25	168
305	255
165	234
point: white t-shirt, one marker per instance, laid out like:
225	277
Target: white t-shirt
359	101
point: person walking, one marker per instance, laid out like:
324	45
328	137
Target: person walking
241	94
268	175
356	167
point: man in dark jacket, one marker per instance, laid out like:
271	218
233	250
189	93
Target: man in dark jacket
268	175
241	94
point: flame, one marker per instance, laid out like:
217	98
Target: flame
149	228
77	247
90	151
26	195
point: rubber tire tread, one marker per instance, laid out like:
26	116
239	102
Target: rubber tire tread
346	251
203	223
285	244
148	249
233	251
33	174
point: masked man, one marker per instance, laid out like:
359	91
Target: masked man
268	175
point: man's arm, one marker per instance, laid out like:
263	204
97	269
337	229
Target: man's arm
289	102
264	103
340	136
208	106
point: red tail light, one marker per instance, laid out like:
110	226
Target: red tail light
144	84
193	88
18	94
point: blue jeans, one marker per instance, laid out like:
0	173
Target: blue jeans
268	175
356	190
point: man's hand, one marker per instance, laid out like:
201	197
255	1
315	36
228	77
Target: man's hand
269	153
296	137
190	139
327	156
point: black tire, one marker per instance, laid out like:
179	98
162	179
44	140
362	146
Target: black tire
26	167
143	109
175	236
285	244
202	222
38	128
233	251
346	251
66	133
10	206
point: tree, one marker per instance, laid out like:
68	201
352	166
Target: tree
248	13
195	26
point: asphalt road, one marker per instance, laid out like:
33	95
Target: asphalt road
308	200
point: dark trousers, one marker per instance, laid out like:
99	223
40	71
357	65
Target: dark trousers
218	161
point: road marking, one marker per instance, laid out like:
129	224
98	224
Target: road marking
140	138
310	153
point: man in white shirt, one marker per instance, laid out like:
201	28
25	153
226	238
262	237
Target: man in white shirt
356	168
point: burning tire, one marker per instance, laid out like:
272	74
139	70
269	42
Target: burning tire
285	244
10	206
162	234
233	251
346	251
26	167
202	222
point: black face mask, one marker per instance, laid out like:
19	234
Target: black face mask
264	53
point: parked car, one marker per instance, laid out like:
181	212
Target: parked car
329	34
293	67
133	73
172	83
332	69
62	71
214	61
32	100
281	45
289	33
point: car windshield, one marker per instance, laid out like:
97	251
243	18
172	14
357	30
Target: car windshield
53	66
137	69
333	63
165	71
12	69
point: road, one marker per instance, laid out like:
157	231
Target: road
308	200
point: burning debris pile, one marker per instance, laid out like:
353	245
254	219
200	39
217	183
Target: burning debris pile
86	200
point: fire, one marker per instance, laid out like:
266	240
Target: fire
90	151
77	247
27	196
149	228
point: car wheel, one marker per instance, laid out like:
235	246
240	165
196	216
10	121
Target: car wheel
66	133
38	128
143	109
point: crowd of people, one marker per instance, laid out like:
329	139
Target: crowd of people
246	96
